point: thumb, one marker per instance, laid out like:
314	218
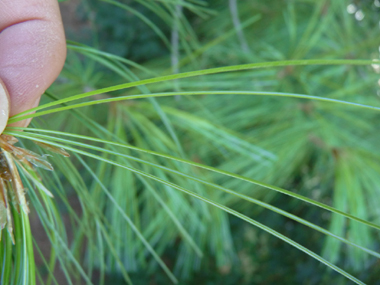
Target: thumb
32	50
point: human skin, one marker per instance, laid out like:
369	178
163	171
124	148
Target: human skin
32	51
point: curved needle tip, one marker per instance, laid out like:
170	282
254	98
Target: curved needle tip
4	106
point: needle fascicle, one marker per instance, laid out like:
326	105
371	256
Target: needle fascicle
12	192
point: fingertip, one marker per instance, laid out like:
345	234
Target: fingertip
4	106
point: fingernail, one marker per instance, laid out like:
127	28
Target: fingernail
4	106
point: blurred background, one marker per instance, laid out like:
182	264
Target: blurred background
327	152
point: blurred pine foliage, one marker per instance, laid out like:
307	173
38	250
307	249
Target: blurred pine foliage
127	227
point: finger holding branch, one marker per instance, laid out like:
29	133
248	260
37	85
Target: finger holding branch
32	52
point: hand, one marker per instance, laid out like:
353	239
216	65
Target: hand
32	52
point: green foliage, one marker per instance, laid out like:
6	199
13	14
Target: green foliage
164	149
